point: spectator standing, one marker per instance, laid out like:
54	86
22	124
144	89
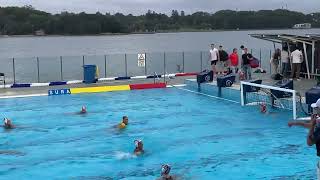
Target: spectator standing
224	58
285	61
274	61
297	59
234	61
246	58
214	58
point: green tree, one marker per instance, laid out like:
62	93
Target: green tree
26	20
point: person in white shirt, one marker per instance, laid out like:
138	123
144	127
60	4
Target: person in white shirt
242	49
297	58
214	58
285	61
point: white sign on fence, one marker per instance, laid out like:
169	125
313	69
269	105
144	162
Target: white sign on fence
142	60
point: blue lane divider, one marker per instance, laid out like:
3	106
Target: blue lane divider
20	85
57	83
122	78
58	92
154	76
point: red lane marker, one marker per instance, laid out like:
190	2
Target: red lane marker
187	74
147	86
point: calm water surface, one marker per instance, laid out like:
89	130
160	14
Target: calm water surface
93	45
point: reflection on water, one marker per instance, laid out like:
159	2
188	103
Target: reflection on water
11	152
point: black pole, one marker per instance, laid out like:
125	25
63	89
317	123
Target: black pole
164	67
145	64
270	63
200	61
183	62
260	59
14	70
38	68
61	68
105	66
126	64
83	65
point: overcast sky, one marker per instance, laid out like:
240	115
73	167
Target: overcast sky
165	6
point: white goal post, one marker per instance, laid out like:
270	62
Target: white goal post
258	86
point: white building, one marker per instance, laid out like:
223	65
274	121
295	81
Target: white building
302	26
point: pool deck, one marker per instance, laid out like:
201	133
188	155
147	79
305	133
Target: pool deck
301	86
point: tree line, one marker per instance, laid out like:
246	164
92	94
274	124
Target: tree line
26	20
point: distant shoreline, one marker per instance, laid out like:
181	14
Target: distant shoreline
76	35
143	33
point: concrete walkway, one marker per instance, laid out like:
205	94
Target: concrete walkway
300	86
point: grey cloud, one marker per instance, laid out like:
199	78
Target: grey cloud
165	6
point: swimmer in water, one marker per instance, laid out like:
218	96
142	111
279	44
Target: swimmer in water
263	108
313	126
7	124
124	122
165	173
83	110
139	147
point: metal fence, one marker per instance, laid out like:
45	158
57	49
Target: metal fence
63	68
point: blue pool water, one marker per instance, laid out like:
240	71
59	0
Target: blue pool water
201	137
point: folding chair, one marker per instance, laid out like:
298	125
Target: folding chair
3	80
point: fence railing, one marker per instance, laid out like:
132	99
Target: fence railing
63	68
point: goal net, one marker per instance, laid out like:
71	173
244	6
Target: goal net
256	94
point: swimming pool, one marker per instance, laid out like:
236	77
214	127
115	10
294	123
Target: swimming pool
201	137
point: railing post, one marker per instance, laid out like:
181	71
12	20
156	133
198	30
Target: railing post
14	70
164	67
38	68
82	66
145	64
200	61
105	66
183	62
294	108
260	59
126	64
241	93
61	68
270	63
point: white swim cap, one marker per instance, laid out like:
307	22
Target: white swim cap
165	170
5	120
136	142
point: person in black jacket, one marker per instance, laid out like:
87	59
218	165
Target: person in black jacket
224	57
246	58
